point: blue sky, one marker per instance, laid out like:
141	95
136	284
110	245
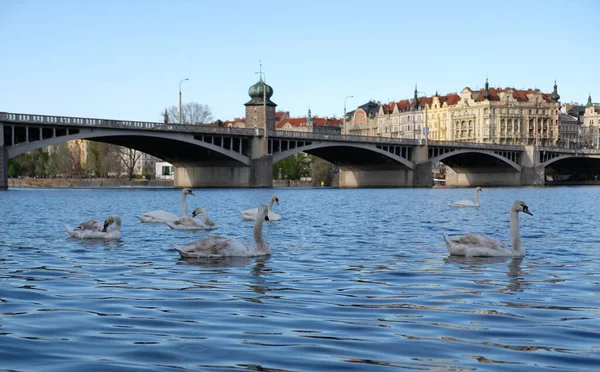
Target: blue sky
124	59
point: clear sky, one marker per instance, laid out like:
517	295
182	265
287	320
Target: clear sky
123	59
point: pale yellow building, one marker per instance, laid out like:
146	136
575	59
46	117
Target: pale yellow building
506	116
590	128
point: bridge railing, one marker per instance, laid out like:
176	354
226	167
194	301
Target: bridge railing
341	137
124	124
569	151
487	146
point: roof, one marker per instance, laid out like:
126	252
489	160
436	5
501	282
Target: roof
519	95
564	118
317	122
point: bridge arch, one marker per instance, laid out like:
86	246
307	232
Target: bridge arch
318	145
96	134
450	154
568	156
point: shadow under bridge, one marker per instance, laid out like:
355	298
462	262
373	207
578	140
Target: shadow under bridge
349	156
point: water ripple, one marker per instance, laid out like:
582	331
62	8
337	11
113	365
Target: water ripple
358	280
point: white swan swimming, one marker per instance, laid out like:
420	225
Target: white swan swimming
218	246
193	223
471	245
469	203
164	216
89	229
250	214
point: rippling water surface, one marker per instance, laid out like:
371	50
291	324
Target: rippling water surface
358	280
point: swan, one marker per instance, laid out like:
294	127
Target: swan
471	245
250	214
218	246
192	223
469	203
164	216
89	230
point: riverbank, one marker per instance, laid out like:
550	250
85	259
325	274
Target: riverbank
86	182
117	182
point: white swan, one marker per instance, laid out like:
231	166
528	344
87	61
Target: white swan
250	214
218	246
193	223
484	246
164	216
89	230
469	203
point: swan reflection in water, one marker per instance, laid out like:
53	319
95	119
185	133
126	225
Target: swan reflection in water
482	264
258	272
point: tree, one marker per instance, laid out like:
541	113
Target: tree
129	158
321	171
294	166
191	113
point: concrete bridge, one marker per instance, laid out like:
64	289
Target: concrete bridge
244	157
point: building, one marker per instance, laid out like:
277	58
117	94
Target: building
568	129
164	170
363	120
311	124
590	128
506	116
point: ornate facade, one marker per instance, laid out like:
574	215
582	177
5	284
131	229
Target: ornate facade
590	129
489	115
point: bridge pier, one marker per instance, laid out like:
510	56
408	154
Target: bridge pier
532	172
3	161
3	167
423	172
382	178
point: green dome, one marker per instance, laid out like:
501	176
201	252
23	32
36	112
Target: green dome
257	93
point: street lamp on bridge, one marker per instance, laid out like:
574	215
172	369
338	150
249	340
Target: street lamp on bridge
182	80
346	130
426	129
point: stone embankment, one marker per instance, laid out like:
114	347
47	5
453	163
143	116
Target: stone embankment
86	182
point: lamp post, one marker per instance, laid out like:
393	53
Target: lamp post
425	113
182	80
345	129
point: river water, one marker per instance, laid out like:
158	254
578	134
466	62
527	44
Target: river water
358	280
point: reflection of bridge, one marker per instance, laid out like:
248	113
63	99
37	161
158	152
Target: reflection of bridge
243	157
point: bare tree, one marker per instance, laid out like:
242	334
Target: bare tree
191	113
129	158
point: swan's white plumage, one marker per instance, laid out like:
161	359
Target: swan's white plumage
218	246
468	203
193	223
164	216
80	232
473	245
250	214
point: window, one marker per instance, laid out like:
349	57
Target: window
166	170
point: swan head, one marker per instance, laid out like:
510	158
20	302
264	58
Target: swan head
263	212
275	199
197	211
109	221
520	206
479	189
187	191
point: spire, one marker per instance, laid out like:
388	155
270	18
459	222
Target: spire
555	97
415	104
486	92
309	122
436	93
589	102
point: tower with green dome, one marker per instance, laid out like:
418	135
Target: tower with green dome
257	108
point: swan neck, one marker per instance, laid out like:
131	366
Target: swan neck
515	234
477	198
270	205
261	245
184	205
